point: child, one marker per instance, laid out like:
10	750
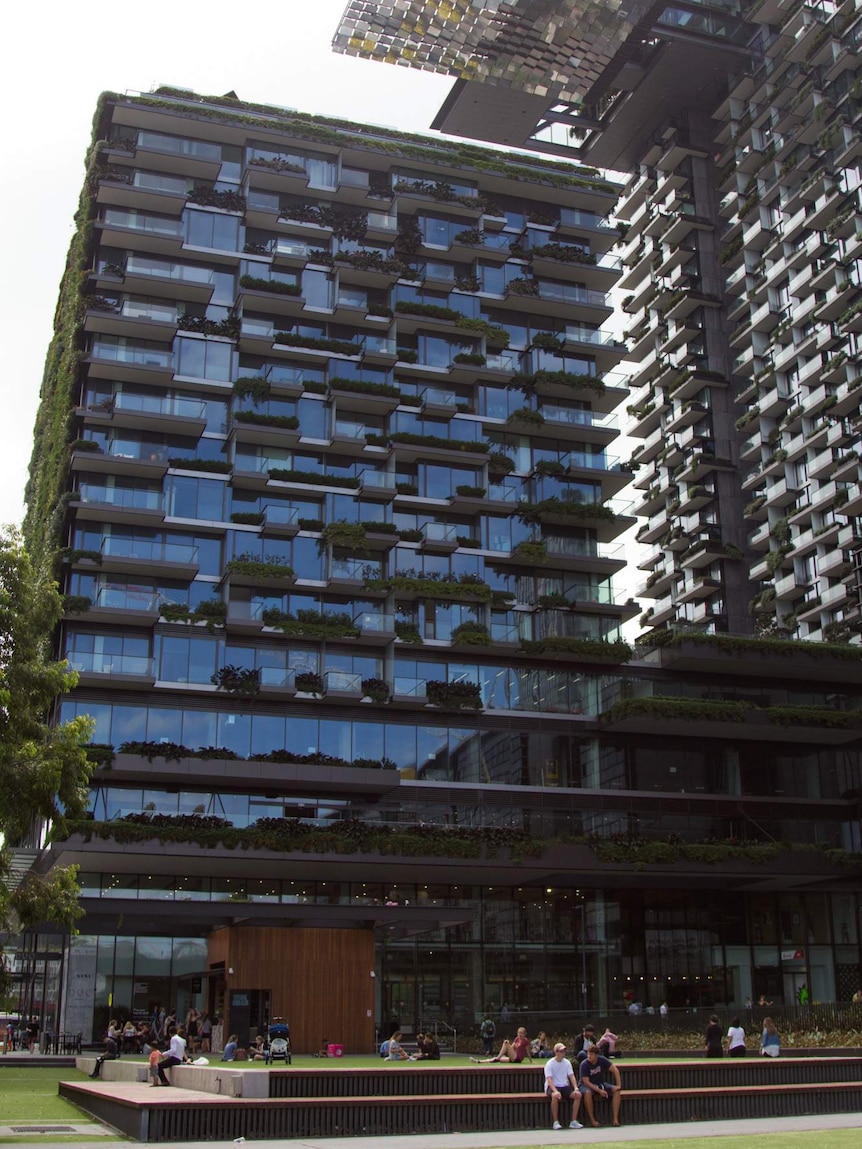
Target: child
153	1071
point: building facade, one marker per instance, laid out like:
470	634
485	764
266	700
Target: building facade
339	516
738	125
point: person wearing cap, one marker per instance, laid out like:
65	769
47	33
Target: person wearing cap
594	1071
560	1085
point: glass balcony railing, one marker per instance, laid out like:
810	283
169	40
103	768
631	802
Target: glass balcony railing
346	430
343	680
503	632
143	222
379	345
441	533
260	465
384	479
502	493
556	414
277	677
354	569
153	312
503	361
134	353
167	269
291	249
177	145
583	548
573	217
126	664
576	334
132	449
277	516
409	687
155	405
285	373
370	623
127	598
383	221
600	462
145	551
571	293
439	397
128	499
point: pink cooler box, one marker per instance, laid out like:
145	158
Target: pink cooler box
333	1050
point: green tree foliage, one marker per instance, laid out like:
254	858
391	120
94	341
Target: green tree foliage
44	770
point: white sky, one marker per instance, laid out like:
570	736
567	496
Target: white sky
56	60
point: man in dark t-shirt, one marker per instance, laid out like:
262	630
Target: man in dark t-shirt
593	1074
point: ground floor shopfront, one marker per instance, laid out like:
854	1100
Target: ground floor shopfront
545	951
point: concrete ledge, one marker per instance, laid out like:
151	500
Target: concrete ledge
117	1070
217	1079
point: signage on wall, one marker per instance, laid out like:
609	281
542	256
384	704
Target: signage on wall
793	955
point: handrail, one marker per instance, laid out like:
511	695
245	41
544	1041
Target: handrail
435	1025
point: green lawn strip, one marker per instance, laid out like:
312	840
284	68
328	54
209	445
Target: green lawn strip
30	1095
834	1138
55	1138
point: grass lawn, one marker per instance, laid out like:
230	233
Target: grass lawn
29	1096
834	1138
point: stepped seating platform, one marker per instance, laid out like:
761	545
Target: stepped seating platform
220	1103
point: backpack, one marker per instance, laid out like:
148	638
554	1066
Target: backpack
488	1029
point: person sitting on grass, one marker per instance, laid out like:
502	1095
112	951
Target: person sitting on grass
229	1051
560	1085
510	1051
594	1071
427	1048
770	1041
397	1052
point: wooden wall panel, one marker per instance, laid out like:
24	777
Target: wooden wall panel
320	980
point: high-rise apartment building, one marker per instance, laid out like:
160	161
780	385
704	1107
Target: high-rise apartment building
738	126
341	508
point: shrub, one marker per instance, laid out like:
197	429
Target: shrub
309	682
237	679
376	689
454	695
276	286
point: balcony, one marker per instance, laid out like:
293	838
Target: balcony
350	574
150	413
133	363
158	559
280	521
378	484
121	457
441	538
119	671
375	629
98	503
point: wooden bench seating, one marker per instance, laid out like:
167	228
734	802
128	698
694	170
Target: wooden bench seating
180	1114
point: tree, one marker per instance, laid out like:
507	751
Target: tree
44	769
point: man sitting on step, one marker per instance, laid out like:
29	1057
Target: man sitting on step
594	1073
560	1085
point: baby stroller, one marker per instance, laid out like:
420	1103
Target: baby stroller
279	1041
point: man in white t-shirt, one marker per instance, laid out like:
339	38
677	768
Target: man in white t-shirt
560	1085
